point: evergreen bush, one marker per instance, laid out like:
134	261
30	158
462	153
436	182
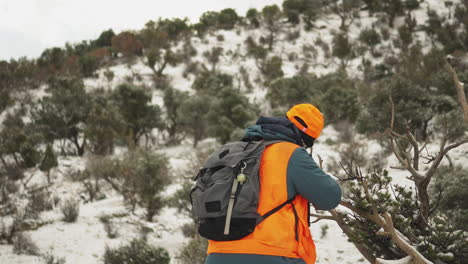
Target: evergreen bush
141	177
272	68
49	258
370	37
194	116
449	190
211	83
62	114
229	111
23	244
19	142
193	252
139	115
342	48
227	18
289	91
138	251
71	210
252	15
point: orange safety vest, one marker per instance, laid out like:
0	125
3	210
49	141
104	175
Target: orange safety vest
276	235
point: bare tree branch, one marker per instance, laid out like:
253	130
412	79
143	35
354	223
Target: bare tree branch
399	240
320	162
413	142
460	89
321	217
348	231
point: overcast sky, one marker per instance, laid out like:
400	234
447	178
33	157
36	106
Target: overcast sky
27	27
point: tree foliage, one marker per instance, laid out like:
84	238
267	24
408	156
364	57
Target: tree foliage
139	115
212	82
289	91
63	113
105	125
173	102
138	251
271	15
194	116
127	44
229	111
20	142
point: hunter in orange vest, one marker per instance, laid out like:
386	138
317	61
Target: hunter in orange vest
286	171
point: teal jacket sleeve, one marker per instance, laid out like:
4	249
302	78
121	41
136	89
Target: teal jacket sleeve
311	182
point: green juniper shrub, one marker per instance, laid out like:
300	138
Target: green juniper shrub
208	20
417	83
23	244
191	68
175	28
62	114
255	50
139	115
20	142
293	9
406	36
193	252
213	56
173	101
105	125
39	201
370	37
49	258
211	83
142	176
322	44
252	15
272	68
323	231
70	209
104	39
229	110
111	230
53	59
433	24
372	6
449	191
16	76
293	35
271	14
227	18
194	116
290	91
338	97
411	4
5	99
220	37
342	48
88	65
138	251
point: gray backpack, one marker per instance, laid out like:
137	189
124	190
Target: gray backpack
225	197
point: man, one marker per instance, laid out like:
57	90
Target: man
286	171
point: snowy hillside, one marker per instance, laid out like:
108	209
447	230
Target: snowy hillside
85	241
